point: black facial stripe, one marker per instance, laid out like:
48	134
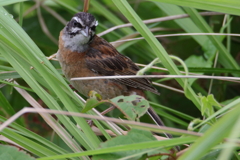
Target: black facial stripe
93	28
76	24
72	34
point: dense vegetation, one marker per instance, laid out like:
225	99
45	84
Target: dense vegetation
200	111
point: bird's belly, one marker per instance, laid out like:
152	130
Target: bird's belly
106	88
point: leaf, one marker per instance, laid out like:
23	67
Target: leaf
91	103
226	102
9	75
6	110
133	107
205	60
225	58
204	128
209	52
214	135
213	101
133	136
211	155
197	61
12	153
4	3
157	48
225	6
207	105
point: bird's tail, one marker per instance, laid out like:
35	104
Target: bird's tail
157	120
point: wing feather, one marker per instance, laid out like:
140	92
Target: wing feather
115	63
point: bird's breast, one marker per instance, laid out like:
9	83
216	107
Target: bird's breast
73	66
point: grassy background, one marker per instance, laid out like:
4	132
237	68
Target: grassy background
29	32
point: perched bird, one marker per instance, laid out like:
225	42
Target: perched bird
83	54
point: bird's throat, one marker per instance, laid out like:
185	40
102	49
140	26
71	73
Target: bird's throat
76	43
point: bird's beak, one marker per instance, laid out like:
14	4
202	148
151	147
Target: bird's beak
85	31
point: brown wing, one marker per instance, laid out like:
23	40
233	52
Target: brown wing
105	60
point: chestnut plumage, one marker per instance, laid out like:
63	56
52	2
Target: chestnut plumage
83	54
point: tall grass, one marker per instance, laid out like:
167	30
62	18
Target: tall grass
29	78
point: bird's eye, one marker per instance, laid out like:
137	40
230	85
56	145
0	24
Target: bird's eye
76	24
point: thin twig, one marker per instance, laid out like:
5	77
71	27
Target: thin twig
6	140
86	5
98	132
54	14
50	121
216	58
108	110
168	87
112	125
52	57
7	80
44	26
137	33
30	10
158	20
181	34
141	125
164	69
156	76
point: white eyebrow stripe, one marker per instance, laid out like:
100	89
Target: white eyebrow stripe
74	30
78	20
94	23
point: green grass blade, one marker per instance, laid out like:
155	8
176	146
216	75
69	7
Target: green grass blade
225	57
27	143
225	6
36	137
212	136
21	14
186	23
22	53
4	2
110	16
144	145
126	9
6	108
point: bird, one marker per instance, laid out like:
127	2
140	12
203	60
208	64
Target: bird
82	53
